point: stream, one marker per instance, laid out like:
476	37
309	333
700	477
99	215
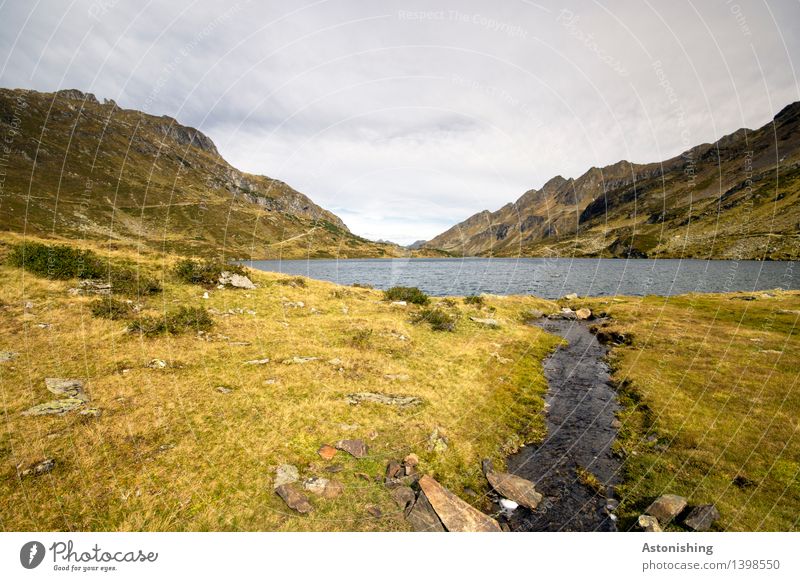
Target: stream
580	406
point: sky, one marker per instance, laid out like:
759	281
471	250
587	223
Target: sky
406	117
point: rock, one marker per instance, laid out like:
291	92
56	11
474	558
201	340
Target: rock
383	398
533	315
55	407
404	497
91	413
356	448
485	322
508	505
92	287
299	360
702	517
437	442
411	460
570	297
285	474
334	468
294	305
257	361
514	488
294	499
72	388
374	511
666	507
335	362
235	280
205	295
393	470
327	452
616	424
333	489
223	389
422	517
40	468
362	476
583	314
316	485
398	304
6	356
568	314
649	524
157	364
455	514
396	377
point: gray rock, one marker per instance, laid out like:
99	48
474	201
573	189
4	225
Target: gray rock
6	356
157	364
286	474
583	314
72	388
383	398
236	280
404	497
356	448
649	524
223	389
422	517
515	488
257	361
485	322
91	413
437	442
570	297
294	499
533	315
702	517
55	407
40	468
666	507
455	514
315	485
300	360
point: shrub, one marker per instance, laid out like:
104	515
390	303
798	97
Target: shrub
294	281
438	319
180	321
130	282
205	272
409	294
110	308
362	285
476	300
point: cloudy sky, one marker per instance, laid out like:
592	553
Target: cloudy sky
407	117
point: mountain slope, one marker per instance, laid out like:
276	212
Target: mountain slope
736	198
75	167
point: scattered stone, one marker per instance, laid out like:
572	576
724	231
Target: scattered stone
235	280
583	314
513	487
412	460
239	343
6	356
455	514
286	474
72	388
437	442
649	524
316	485
91	287
616	424
294	499
327	452
348	427
393	470
205	295
356	448
333	489
334	468
55	407
43	325
396	377
422	517
404	497
666	507
362	476
508	505
702	517
398	303
335	361
500	359
568	314
533	315
387	399
40	468
300	360
571	297
257	361
294	305
374	511
91	412
223	389
485	322
157	364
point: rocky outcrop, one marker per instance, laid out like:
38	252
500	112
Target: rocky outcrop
455	514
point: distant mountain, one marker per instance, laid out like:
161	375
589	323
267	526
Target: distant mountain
736	198
416	245
75	167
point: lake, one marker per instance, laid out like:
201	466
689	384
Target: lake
547	277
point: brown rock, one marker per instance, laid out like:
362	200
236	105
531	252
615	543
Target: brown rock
666	507
455	514
356	448
374	511
333	489
583	314
649	524
423	518
404	497
702	517
393	470
411	460
72	388
363	476
294	499
327	452
515	488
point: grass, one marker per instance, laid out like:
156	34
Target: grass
170	452
184	320
203	272
709	386
110	308
438	319
409	294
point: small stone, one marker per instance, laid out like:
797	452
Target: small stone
6	356
356	448
157	364
455	514
396	377
333	489
205	295
666	507
649	524
583	314
616	424
335	361
533	315
91	413
514	488
568	314
327	452
398	303
363	476
67	387
257	361
571	297
393	470
299	360
437	442
411	460
334	468
235	280
294	499
702	517
40	468
383	398
508	505
485	322
55	407
223	389
316	485
286	474
374	511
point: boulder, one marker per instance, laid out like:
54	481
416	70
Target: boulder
323	487
649	524
55	407
583	314
666	507
571	297
236	280
67	387
285	474
294	499
39	468
383	398
485	322
421	515
327	452
702	517
455	514
356	448
514	488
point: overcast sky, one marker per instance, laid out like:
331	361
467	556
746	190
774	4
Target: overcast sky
407	117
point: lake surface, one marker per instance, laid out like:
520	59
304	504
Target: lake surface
547	277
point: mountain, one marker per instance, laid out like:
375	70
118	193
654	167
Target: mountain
76	168
737	198
416	245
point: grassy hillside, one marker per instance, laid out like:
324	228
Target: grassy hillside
75	168
738	198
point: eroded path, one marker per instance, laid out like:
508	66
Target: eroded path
581	404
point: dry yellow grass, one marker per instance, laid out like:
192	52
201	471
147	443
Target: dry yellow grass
170	452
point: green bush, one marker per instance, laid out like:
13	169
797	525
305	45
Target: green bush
180	321
127	281
361	285
294	281
438	319
409	294
110	308
205	272
476	300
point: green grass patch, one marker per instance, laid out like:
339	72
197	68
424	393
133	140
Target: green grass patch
183	320
203	272
438	319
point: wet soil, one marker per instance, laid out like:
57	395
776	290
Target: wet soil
580	404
